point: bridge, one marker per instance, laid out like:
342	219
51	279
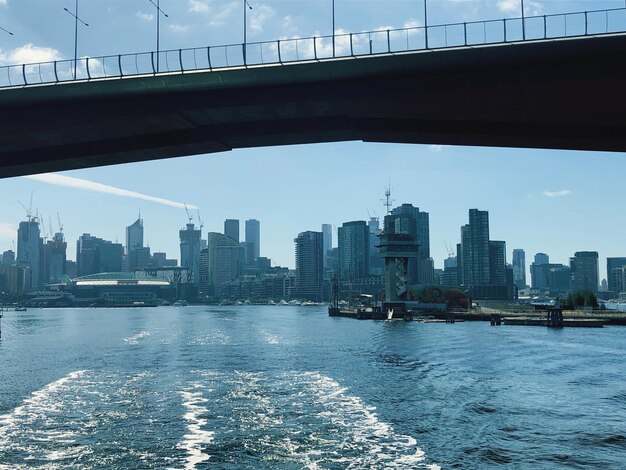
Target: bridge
550	81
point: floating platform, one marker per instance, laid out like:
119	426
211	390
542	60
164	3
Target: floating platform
567	322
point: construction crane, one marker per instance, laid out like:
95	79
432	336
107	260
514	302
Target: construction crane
449	250
188	214
60	224
200	220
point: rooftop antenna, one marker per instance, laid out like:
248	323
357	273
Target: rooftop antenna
388	202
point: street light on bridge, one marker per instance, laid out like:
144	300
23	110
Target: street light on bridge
245	26
6	31
76	20
159	12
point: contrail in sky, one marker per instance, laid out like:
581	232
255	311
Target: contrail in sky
79	183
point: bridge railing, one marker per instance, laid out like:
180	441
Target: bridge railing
543	27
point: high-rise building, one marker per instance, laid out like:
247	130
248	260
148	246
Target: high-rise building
226	260
475	249
231	229
409	220
139	258
30	251
613	276
253	236
95	255
134	235
497	263
190	250
377	264
585	272
538	277
519	268
327	235
55	256
450	275
309	265
7	258
353	244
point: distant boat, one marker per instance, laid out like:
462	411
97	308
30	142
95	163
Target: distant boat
20	309
283	302
180	303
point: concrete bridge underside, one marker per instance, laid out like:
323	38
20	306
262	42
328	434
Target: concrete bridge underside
562	94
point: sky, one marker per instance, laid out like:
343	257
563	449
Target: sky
556	202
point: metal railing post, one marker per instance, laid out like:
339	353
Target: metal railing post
119	64
208	56
24	74
180	60
545	27
243	51
280	59
465	32
586	28
87	68
315	47
351	49
56	75
388	42
504	29
152	61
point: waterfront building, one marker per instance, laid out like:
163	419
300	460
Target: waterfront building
203	284
327	235
497	263
139	258
231	229
537	271
309	265
253	238
475	249
585	272
558	278
7	258
613	278
269	286
353	243
71	269
519	268
14	281
30	251
190	250
55	256
449	277
411	221
397	247
225	262
159	259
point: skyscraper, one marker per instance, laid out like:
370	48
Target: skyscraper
190	250
497	263
614	277
409	220
327	234
353	243
377	264
519	268
29	251
134	235
475	248
95	255
55	256
253	236
8	258
538	277
231	229
309	265
225	262
585	272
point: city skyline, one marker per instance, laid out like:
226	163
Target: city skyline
539	200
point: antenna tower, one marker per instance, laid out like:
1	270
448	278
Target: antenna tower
388	202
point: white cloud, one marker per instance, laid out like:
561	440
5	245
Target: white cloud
199	6
178	28
219	17
435	148
79	183
3	2
28	54
561	193
7	230
513	7
144	16
258	16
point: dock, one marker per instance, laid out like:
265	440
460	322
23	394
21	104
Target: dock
567	322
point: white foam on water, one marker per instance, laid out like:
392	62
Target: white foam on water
196	437
135	338
215	337
269	337
37	425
